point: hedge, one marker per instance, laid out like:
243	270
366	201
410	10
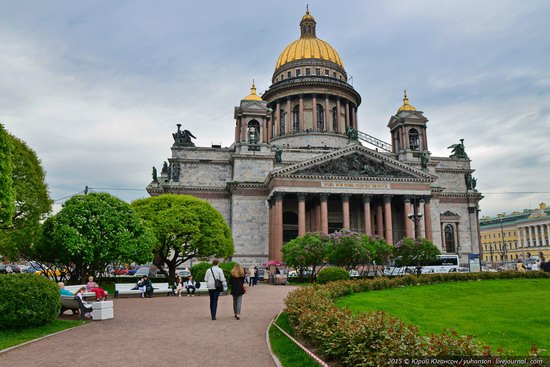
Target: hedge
332	274
371	338
27	300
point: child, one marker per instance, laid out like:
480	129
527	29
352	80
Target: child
79	294
179	285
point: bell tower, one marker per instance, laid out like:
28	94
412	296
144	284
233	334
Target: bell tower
408	132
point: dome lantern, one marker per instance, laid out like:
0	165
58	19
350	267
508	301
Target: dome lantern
406	106
252	96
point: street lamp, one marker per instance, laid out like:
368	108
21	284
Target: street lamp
502	240
416	217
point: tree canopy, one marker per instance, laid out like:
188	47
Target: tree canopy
7	195
92	231
185	227
410	252
310	250
31	201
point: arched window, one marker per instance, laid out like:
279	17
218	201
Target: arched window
450	239
296	118
253	132
282	126
414	140
334	120
320	118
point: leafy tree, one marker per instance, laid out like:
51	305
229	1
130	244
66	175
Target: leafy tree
92	231
32	202
310	250
185	227
349	250
7	195
410	252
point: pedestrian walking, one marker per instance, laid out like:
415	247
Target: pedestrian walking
237	288
213	274
256	275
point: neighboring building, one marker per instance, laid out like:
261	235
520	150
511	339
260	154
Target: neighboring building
297	166
517	236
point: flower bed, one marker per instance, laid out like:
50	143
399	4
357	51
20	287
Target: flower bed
373	338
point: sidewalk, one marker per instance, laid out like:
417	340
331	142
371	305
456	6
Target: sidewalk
164	331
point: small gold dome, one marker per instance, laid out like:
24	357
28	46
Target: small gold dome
406	106
252	96
308	46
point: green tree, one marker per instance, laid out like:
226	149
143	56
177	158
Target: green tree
92	231
410	252
7	195
349	250
310	250
185	228
32	202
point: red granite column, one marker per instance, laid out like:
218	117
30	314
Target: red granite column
288	122
278	121
407	210
271	226
314	113
388	230
301	214
379	221
338	112
347	116
345	210
301	124
328	126
366	210
324	213
428	218
278	232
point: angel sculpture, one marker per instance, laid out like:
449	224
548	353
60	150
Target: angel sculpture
183	138
458	150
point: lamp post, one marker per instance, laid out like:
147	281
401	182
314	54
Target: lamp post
502	240
416	217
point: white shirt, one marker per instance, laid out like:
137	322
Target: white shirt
209	279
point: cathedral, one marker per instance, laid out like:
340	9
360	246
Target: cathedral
300	164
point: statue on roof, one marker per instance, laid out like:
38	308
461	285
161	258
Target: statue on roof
155	178
278	154
183	138
164	169
470	181
351	133
424	159
458	150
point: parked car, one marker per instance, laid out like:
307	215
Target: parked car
33	269
150	271
460	269
49	272
353	273
183	273
119	270
12	268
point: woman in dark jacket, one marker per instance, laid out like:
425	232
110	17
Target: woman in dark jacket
237	288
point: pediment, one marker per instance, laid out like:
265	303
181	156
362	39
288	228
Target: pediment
356	162
254	105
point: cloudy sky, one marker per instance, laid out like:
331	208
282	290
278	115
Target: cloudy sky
97	87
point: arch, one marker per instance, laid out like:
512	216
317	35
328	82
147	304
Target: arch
253	132
320	118
334	120
450	243
414	139
282	125
296	118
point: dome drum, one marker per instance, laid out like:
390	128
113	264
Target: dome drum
309	67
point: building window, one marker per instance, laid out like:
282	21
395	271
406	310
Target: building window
414	140
282	76
298	72
282	128
450	239
253	132
327	73
320	118
308	71
317	71
296	118
289	74
334	75
334	120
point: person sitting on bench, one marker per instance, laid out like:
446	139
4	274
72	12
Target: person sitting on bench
190	286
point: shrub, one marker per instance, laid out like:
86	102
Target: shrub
199	270
332	274
27	300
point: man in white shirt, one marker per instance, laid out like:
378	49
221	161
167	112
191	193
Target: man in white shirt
211	274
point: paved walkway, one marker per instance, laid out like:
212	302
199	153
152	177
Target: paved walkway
164	331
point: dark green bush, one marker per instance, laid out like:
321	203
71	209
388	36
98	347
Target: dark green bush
27	300
199	270
332	274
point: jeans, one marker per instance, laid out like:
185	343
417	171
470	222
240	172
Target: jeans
190	290
214	295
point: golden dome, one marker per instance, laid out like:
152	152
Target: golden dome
308	46
252	96
406	106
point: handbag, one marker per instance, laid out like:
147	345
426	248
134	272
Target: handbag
242	286
218	284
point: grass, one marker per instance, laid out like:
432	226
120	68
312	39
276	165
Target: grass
10	338
288	353
513	314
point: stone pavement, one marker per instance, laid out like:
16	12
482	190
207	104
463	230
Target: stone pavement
164	331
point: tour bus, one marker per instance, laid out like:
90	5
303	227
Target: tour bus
443	264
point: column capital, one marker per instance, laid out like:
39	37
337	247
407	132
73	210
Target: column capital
346	197
324	196
387	198
367	198
270	202
278	196
427	198
407	198
302	196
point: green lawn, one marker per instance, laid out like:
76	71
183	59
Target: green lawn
288	353
512	313
9	338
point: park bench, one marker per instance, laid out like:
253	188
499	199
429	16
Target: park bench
74	304
86	296
126	289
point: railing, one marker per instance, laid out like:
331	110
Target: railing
374	141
